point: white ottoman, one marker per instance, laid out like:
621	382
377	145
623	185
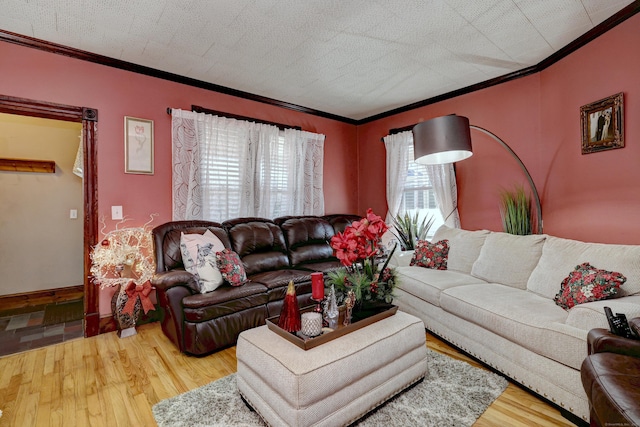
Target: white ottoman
335	383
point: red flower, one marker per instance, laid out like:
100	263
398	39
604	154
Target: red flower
360	240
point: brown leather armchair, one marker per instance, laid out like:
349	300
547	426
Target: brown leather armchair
611	378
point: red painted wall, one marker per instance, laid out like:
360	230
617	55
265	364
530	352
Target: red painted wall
38	75
594	196
588	197
29	73
591	197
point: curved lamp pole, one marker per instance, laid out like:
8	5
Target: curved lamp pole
447	139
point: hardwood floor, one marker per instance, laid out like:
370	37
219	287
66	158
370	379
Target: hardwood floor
107	381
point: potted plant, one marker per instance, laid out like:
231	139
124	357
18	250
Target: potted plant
409	229
516	213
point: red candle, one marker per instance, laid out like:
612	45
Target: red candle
317	286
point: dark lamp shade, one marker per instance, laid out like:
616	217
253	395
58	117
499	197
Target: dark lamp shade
445	139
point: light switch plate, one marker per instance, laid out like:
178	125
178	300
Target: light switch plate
116	212
73	214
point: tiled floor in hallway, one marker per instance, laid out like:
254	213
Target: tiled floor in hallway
25	331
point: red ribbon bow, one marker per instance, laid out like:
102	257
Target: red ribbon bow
135	291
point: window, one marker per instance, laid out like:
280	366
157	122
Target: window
227	168
418	194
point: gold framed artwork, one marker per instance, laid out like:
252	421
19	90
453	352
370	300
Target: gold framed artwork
138	146
602	124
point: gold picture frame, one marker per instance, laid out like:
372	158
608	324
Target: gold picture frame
138	146
602	124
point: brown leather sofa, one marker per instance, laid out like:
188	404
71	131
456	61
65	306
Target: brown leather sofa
611	378
273	253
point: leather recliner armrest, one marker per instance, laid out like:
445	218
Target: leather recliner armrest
169	279
601	340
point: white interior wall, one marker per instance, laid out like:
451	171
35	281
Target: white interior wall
41	247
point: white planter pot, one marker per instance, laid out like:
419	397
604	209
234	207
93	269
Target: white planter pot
402	258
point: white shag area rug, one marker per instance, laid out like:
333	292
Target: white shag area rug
454	393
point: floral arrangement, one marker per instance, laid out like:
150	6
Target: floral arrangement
358	248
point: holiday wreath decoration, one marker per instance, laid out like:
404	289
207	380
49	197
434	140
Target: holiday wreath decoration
124	258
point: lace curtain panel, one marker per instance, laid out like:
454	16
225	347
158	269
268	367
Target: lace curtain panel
227	168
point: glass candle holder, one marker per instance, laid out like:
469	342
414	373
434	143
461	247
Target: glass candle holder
311	324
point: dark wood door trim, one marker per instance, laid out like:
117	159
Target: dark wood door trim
89	119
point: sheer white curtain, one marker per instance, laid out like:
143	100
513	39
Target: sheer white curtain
443	179
397	146
226	168
306	157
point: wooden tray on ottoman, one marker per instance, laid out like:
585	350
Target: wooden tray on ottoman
306	343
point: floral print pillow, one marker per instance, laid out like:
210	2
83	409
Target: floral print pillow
209	277
431	255
231	267
587	283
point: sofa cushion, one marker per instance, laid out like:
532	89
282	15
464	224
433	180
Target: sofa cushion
431	255
591	315
522	317
508	259
259	242
209	276
587	283
307	238
189	248
281	278
464	246
427	284
223	301
166	240
231	267
560	256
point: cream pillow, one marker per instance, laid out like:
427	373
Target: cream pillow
464	246
189	250
209	276
508	259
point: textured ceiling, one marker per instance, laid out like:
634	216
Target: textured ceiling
351	58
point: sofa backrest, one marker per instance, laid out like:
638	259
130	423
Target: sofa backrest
259	242
560	257
307	238
166	240
341	221
464	246
508	259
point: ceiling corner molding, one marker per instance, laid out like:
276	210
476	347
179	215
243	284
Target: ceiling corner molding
595	32
590	35
46	46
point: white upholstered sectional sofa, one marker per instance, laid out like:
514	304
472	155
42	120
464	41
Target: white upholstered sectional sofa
495	301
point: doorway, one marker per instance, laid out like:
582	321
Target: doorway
88	117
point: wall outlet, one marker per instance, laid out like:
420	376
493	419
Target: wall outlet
116	212
73	214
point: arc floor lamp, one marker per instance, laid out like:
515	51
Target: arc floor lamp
447	139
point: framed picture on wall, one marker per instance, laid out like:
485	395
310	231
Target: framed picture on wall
138	146
602	124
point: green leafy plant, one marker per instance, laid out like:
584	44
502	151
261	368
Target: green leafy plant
516	213
409	229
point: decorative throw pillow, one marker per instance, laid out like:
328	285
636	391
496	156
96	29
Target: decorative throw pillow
231	267
189	248
431	255
209	277
587	283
